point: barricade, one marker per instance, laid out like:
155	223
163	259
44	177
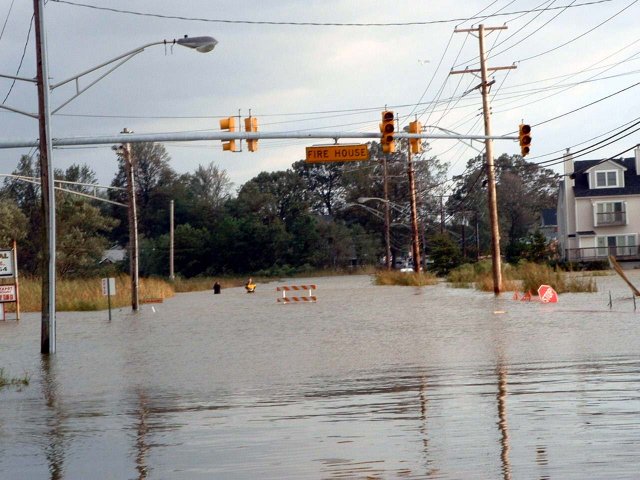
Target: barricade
310	298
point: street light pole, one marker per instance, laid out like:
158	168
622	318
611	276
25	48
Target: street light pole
48	204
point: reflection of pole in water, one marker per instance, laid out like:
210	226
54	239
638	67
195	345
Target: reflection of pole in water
502	422
54	450
142	428
423	425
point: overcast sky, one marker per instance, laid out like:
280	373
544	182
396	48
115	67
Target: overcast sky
321	76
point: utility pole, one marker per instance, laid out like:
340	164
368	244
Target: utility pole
48	205
414	213
387	213
129	165
491	180
171	271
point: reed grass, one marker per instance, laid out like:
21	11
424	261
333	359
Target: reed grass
86	294
5	380
525	276
395	277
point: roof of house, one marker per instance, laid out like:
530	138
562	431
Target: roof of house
631	179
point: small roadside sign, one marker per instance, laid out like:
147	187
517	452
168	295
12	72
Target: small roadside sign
7	293
6	263
108	286
337	153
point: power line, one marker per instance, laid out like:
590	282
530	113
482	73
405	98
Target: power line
579	36
314	24
4	25
24	50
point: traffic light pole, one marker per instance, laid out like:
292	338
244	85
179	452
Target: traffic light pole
491	180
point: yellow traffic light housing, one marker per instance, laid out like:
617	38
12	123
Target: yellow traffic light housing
524	136
416	143
229	124
387	128
251	125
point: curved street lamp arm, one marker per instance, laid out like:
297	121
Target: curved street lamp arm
129	54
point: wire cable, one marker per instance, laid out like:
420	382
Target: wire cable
306	24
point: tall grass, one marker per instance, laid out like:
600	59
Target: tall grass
86	294
394	277
5	380
525	276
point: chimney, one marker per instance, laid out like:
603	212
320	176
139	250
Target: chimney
568	167
637	152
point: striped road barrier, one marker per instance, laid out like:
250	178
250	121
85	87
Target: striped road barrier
295	298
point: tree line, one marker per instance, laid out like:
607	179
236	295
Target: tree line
307	217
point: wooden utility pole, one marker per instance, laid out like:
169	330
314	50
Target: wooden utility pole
172	275
133	222
491	179
414	213
387	213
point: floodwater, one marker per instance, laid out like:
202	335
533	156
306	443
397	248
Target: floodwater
369	382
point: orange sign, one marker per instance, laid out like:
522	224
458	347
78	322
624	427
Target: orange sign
337	153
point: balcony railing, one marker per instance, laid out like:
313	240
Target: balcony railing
611	218
601	253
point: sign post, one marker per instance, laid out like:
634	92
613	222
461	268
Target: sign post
9	291
108	289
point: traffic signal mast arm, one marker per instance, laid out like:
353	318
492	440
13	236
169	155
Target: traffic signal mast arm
226	136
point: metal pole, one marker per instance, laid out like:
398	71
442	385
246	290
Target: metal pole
133	222
171	271
15	278
48	322
491	180
414	213
387	213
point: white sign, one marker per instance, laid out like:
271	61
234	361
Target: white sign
110	288
6	263
7	293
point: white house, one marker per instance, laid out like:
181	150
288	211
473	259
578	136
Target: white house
599	209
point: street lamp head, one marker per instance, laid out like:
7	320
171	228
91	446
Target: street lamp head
201	44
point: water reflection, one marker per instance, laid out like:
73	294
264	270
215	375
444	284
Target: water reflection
368	382
142	429
56	442
502	422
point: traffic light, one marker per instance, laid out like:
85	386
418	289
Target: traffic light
251	125
229	123
386	129
524	136
416	143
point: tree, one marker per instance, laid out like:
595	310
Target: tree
80	235
14	224
325	183
523	190
445	254
153	180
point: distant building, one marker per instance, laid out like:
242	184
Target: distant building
599	209
549	224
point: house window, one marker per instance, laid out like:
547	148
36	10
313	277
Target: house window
618	245
607	179
611	213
